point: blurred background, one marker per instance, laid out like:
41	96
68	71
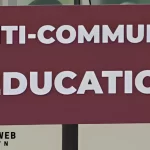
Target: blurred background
27	2
69	2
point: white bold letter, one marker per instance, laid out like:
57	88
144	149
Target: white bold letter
7	89
83	34
95	86
41	32
59	85
128	82
139	82
9	33
34	83
59	34
22	35
107	33
140	35
112	77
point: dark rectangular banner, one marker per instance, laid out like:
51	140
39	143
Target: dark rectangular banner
74	65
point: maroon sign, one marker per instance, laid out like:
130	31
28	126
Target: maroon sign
94	60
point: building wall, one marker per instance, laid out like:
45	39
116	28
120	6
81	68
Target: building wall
91	137
34	137
114	137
